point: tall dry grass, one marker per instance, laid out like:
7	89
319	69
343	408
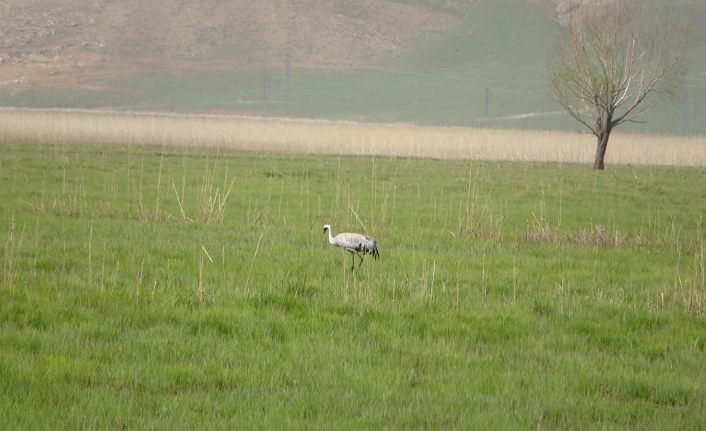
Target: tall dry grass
338	137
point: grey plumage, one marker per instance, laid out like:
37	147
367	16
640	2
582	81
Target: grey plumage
354	243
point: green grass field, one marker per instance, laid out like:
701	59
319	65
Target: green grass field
161	288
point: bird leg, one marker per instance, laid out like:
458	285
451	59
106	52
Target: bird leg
353	254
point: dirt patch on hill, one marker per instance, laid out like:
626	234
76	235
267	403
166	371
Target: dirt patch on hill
560	10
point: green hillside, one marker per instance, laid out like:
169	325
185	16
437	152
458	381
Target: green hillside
423	61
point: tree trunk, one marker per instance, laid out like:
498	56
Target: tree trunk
601	148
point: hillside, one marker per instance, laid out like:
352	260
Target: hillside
456	62
47	44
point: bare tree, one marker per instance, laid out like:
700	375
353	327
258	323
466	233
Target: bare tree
614	61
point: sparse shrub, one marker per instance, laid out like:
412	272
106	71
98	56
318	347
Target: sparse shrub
597	236
695	302
212	203
539	232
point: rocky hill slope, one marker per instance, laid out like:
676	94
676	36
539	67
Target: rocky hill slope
45	43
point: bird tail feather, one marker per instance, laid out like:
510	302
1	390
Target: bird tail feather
372	248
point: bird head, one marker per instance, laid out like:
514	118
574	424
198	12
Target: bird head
326	228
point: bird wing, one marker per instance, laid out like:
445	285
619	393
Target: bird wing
349	241
355	243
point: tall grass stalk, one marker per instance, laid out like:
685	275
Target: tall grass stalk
157	213
213	202
695	299
116	273
252	262
140	212
101	278
72	201
140	278
180	201
200	288
13	247
514	278
90	253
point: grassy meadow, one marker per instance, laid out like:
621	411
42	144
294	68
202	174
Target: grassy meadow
159	287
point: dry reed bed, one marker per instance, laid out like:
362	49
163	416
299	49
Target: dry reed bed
337	137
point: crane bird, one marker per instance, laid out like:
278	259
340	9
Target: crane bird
354	243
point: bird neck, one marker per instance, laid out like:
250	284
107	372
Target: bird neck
330	237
